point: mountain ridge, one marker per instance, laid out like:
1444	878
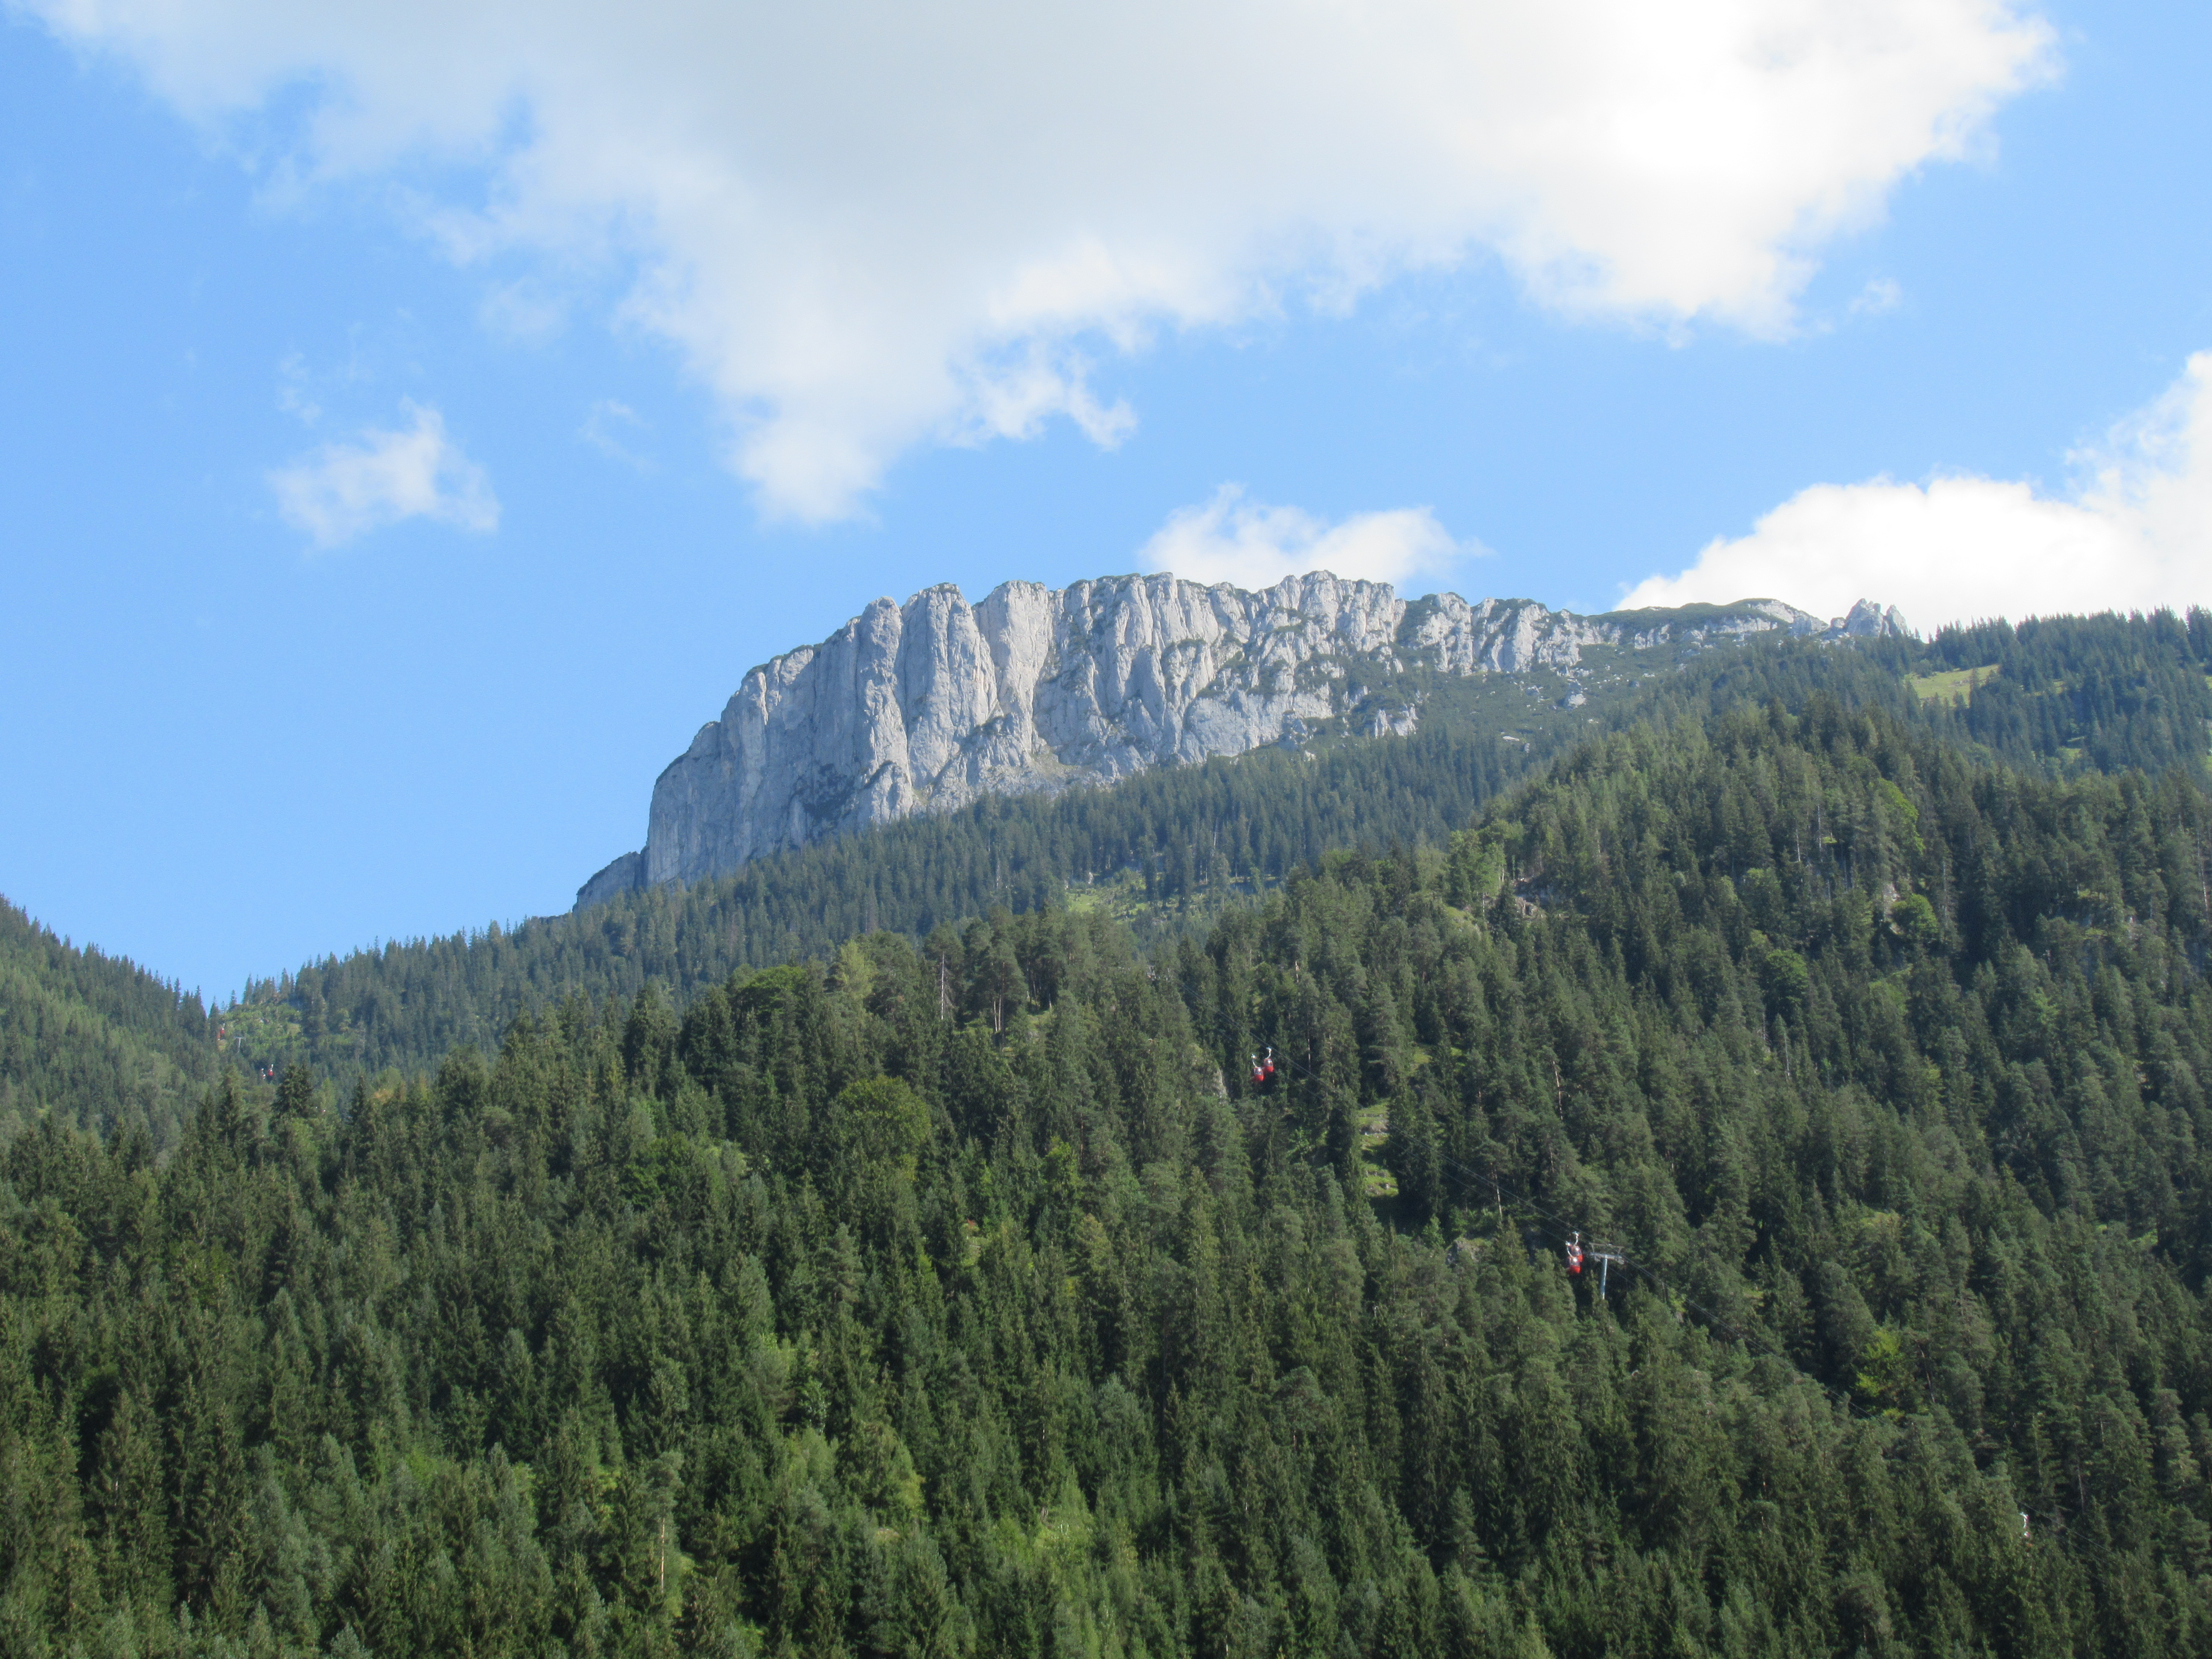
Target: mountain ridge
2054	697
928	705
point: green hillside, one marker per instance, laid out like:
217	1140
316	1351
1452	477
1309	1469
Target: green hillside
2101	693
1179	843
93	1039
971	1300
1166	851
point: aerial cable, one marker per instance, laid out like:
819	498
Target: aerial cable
1607	1256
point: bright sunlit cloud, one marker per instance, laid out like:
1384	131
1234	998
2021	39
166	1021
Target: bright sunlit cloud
2135	532
1252	545
869	224
344	491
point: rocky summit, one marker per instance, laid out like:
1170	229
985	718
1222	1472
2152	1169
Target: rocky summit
923	707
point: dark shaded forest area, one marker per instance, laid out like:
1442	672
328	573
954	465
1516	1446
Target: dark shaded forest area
964	1295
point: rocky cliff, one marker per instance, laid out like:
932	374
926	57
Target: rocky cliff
925	705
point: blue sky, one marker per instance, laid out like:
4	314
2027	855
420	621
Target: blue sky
394	482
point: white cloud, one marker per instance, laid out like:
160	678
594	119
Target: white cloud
2135	532
871	223
1229	540
341	491
610	427
1879	296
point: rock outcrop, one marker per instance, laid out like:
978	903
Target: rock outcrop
926	706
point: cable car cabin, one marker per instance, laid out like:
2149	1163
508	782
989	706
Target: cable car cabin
1575	1253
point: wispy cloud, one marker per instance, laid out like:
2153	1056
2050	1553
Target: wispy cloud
346	489
2134	531
611	429
1881	296
295	394
1253	545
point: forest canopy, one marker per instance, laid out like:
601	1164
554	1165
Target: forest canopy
967	1293
1172	848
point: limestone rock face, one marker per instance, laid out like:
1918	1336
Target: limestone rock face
926	706
625	875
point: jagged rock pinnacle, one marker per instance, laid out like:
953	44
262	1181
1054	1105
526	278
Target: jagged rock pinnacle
925	705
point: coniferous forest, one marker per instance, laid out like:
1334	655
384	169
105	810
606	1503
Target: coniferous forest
95	1037
960	1290
2054	698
